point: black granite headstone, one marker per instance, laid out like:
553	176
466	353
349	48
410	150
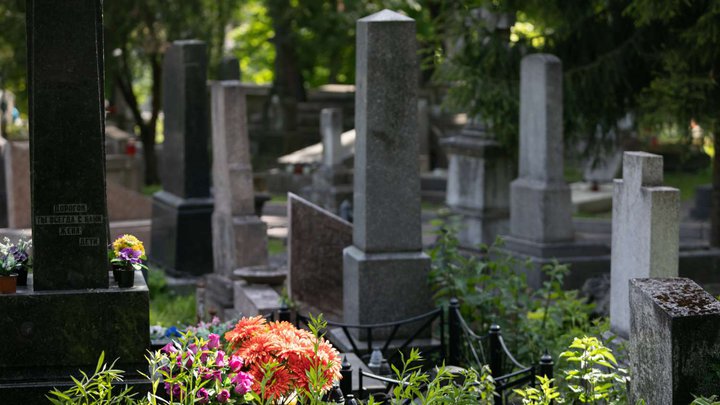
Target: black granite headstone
181	220
67	152
229	69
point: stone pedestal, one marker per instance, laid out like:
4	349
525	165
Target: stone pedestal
478	189
384	287
674	341
181	229
44	343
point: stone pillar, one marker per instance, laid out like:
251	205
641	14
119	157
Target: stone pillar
674	341
67	314
331	126
645	231
479	175
67	146
181	221
332	182
424	135
385	270
239	236
540	205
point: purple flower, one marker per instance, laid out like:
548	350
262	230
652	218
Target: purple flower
19	255
176	390
193	348
223	396
203	396
214	341
243	382
130	255
236	363
220	359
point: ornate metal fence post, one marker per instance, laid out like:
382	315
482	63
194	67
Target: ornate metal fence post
496	351
284	313
454	332
546	365
346	373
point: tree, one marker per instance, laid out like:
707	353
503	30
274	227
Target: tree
137	33
685	82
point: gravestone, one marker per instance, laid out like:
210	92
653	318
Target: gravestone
229	69
478	186
69	286
674	341
181	221
645	231
332	181
541	210
703	202
17	178
386	256
316	241
239	236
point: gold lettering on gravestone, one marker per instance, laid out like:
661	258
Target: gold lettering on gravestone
76	215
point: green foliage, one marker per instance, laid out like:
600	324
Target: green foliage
596	378
467	387
494	290
96	389
545	395
713	400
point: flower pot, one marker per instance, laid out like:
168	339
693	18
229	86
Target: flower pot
8	284
22	275
116	268
125	278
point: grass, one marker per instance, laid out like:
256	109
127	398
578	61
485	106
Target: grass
281	198
151	189
276	246
688	181
167	308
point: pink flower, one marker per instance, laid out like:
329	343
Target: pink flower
236	363
168	348
214	341
243	382
203	396
193	348
220	359
223	396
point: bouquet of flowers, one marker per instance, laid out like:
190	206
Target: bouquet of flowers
195	370
15	257
284	361
127	252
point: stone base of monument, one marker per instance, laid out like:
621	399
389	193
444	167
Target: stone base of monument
181	234
239	239
481	227
373	284
541	210
255	299
49	335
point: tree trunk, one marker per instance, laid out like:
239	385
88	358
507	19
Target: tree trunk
715	210
288	81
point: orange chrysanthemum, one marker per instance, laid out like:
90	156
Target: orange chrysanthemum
260	343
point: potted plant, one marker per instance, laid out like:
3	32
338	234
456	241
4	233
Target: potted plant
8	280
17	258
126	255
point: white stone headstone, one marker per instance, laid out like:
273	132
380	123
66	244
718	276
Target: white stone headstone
645	231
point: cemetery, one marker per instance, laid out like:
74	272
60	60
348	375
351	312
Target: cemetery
274	202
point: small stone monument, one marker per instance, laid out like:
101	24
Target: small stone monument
332	182
479	175
229	69
239	236
181	219
385	271
316	239
541	225
645	231
68	314
541	211
674	341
